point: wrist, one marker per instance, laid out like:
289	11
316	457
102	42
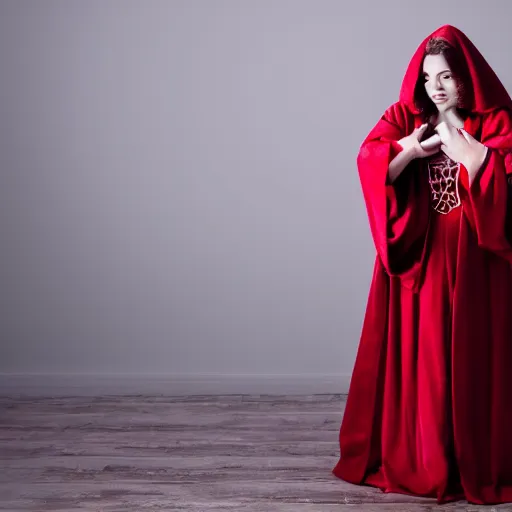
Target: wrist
474	164
410	154
407	152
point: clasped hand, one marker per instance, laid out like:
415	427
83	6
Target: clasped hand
461	147
457	144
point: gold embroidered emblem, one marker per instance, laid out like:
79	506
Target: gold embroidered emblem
443	174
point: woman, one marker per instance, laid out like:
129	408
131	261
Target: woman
429	410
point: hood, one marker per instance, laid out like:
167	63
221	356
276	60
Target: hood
487	91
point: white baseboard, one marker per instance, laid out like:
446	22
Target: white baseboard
31	384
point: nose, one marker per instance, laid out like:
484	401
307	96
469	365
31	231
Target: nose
437	84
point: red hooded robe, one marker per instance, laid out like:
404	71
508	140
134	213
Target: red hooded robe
429	410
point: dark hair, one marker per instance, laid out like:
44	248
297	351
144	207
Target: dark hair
457	63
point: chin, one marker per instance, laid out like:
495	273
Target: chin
443	107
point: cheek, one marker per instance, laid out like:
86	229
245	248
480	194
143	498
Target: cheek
452	88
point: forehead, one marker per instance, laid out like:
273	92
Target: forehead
433	64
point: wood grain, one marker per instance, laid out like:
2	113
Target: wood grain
190	453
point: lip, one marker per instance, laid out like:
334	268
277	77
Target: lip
439	97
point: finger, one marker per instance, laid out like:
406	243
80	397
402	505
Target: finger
430	150
431	142
446	127
443	130
466	135
446	150
433	151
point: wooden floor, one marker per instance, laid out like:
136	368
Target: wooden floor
196	453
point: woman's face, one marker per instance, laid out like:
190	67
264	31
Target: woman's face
440	84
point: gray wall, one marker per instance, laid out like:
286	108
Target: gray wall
178	188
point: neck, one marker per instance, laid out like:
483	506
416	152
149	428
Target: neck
451	116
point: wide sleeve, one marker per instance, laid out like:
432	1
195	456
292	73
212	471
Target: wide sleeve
398	213
487	202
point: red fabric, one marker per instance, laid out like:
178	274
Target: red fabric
429	410
488	91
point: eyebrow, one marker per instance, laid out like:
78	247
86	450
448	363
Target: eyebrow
444	71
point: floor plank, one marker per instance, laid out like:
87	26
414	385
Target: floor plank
255	453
